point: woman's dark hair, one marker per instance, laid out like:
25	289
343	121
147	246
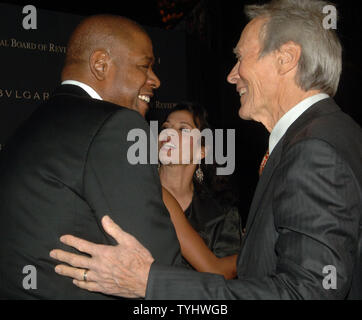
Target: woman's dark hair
219	186
198	112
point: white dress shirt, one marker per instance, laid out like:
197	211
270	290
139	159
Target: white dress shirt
293	114
85	87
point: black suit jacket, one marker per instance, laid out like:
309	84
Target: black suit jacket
60	174
304	218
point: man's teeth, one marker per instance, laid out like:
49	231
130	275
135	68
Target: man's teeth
144	98
242	91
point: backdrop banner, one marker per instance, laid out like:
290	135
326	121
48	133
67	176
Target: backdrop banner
32	60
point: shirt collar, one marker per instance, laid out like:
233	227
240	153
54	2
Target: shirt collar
85	87
293	114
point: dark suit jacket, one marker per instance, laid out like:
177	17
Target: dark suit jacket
305	215
60	174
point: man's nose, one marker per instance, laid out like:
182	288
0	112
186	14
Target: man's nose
233	76
154	81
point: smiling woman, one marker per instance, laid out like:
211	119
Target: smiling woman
209	232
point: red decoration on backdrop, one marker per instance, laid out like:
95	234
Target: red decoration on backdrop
172	11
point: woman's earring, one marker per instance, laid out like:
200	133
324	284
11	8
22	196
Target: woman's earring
199	174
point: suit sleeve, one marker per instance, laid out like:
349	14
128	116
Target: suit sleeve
129	193
316	209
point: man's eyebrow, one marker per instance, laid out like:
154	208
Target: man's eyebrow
150	59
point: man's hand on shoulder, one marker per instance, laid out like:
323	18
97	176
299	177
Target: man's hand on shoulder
120	270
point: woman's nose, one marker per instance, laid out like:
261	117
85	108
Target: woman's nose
167	134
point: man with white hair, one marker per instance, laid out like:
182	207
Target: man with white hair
303	234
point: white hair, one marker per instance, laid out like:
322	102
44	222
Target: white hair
301	21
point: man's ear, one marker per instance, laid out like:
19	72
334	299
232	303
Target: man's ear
288	57
99	64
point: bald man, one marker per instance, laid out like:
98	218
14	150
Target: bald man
67	165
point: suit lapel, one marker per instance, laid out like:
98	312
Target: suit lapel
263	183
321	108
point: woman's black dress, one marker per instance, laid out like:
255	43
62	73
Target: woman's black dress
218	225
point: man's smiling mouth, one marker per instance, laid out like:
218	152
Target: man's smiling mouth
145	98
242	91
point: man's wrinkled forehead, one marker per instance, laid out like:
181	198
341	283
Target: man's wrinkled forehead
250	37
